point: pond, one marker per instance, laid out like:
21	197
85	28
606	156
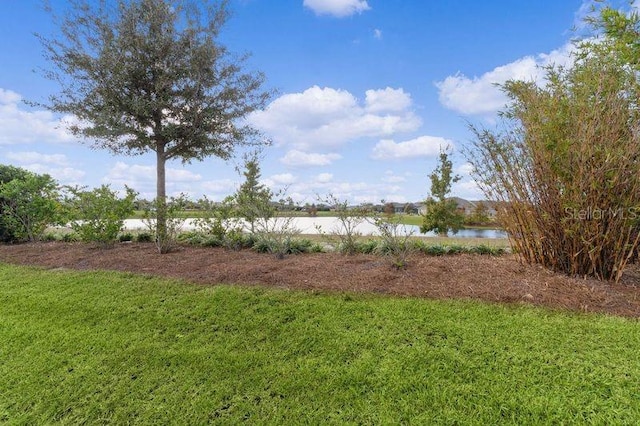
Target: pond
313	226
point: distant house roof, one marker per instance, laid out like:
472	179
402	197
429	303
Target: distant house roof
462	203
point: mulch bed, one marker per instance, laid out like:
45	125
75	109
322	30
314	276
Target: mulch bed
495	279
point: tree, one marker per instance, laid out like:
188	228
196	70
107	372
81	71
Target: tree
253	199
442	213
149	75
565	170
29	204
479	215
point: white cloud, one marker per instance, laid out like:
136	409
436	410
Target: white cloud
423	146
387	100
377	34
465	169
330	117
55	165
391	177
36	157
64	175
9	97
467	189
22	126
283	179
225	186
143	178
482	96
296	158
324	178
337	8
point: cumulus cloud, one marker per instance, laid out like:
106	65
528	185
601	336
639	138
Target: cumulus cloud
23	126
9	97
465	169
55	165
377	34
295	158
328	117
143	178
387	100
337	8
36	157
423	146
324	178
283	179
391	177
224	186
64	175
482	96
467	189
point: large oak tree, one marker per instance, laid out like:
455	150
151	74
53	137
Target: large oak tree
150	75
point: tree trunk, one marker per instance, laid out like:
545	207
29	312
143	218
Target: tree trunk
161	200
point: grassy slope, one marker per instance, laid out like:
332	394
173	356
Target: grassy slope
107	347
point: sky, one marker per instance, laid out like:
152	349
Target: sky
367	92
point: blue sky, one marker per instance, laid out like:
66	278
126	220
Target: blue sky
367	93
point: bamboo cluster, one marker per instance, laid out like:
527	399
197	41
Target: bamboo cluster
565	167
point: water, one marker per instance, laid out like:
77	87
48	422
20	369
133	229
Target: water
474	233
312	225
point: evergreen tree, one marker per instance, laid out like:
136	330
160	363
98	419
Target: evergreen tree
442	213
253	199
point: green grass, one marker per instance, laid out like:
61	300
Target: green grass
103	347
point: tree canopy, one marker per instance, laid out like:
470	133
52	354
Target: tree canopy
150	75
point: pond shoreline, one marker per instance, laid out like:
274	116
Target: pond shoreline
331	225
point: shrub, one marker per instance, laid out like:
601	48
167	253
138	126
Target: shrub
369	246
435	250
70	237
126	237
394	239
275	235
345	236
485	249
49	236
565	169
235	239
174	221
28	204
144	237
99	214
216	218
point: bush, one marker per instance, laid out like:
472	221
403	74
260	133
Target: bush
99	214
235	239
275	235
395	239
345	236
488	250
126	237
368	247
28	204
216	218
70	237
174	221
144	237
49	236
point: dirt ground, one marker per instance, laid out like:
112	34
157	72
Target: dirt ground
496	279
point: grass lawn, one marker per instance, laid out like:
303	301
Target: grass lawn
97	347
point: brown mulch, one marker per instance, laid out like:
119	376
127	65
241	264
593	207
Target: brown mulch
495	279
